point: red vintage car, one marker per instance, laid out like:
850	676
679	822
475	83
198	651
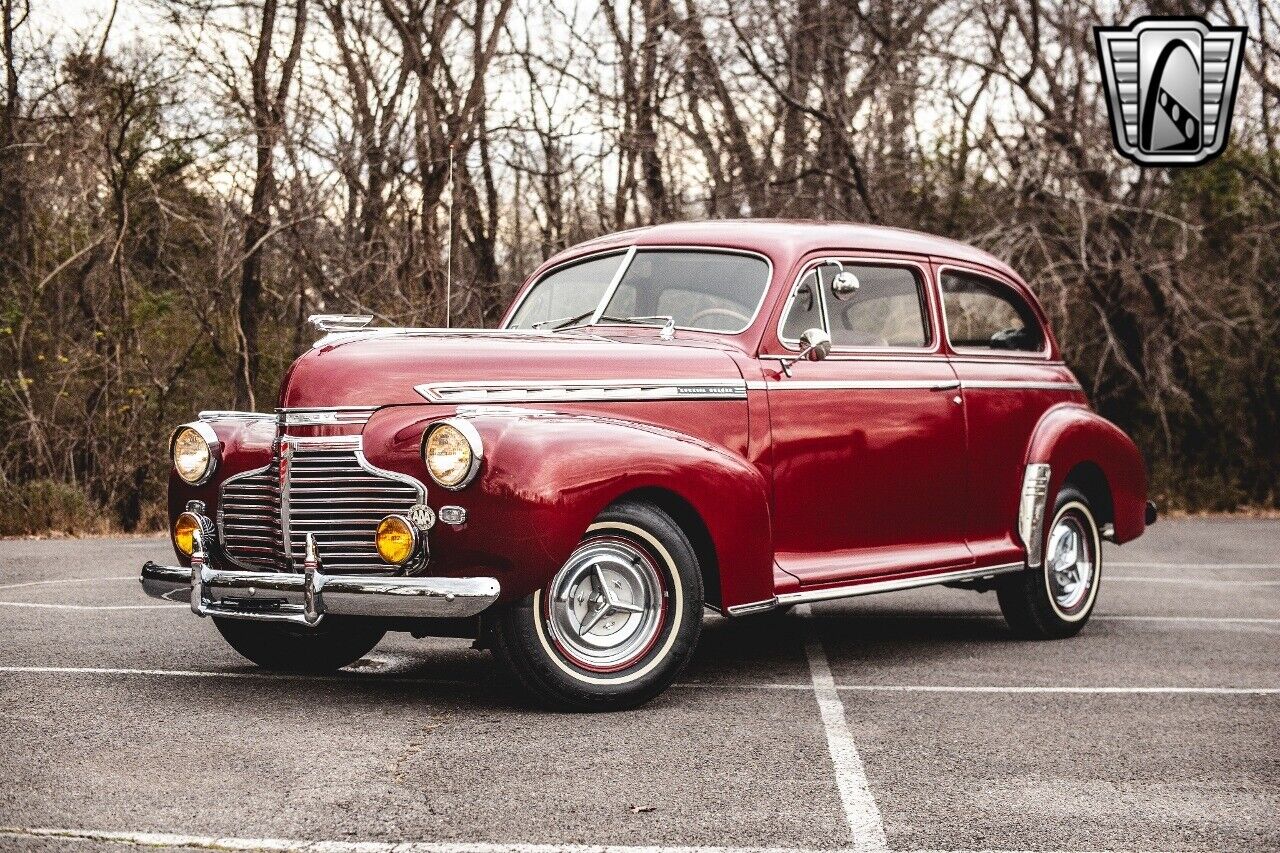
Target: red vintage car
740	416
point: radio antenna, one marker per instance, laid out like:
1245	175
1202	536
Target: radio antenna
448	269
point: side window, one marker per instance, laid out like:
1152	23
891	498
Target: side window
805	310
985	315
885	309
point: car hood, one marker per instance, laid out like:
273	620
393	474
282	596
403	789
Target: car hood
381	368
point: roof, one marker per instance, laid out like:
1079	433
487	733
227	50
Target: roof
792	238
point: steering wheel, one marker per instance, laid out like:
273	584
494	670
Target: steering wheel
718	312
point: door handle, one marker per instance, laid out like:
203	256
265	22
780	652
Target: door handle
945	386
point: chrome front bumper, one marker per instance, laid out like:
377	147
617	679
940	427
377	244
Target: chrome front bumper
306	598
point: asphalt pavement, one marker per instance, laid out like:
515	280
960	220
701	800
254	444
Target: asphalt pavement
901	722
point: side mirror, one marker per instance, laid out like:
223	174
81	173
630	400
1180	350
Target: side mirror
845	285
815	345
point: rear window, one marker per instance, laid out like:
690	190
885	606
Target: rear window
984	315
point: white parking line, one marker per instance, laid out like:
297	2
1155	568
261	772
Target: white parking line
212	842
1192	581
291	845
36	605
357	676
1123	565
860	809
1204	620
133	578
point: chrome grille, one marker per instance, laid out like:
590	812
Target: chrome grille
341	501
249	520
331	492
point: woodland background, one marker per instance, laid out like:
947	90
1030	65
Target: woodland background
183	181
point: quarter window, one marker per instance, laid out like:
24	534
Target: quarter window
879	307
984	315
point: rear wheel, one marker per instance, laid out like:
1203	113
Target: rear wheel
617	622
1055	601
330	645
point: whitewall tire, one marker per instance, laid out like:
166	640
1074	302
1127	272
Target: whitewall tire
617	622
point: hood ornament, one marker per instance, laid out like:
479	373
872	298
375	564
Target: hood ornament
340	322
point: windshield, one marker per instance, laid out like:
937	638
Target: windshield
696	289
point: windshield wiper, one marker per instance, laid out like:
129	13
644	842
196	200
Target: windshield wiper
667	323
563	322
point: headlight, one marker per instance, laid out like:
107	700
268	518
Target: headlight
452	451
396	540
184	533
192	455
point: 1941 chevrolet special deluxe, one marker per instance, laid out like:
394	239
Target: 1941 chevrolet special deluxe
735	415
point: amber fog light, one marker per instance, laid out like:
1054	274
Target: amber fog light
184	532
452	450
396	540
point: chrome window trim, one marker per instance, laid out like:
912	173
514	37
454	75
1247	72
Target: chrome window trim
989	354
926	282
584	390
894	584
630	254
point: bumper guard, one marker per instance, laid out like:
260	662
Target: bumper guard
305	599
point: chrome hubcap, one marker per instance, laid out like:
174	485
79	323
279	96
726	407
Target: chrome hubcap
1070	563
606	606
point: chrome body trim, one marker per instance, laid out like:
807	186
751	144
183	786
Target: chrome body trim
905	384
472	435
321	416
893	584
1031	385
305	598
210	437
585	390
854	385
339	322
221	414
629	255
752	607
1031	507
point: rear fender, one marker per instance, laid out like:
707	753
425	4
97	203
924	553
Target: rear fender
546	475
1070	435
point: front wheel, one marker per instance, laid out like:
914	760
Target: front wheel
616	624
330	645
1055	601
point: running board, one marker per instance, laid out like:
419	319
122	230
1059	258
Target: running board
894	584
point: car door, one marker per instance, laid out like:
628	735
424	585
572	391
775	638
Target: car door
1002	352
868	443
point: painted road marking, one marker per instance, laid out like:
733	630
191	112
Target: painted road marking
68	580
860	809
291	845
37	605
1191	565
1192	581
357	676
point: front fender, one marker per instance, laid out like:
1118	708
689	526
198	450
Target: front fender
1069	435
546	475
